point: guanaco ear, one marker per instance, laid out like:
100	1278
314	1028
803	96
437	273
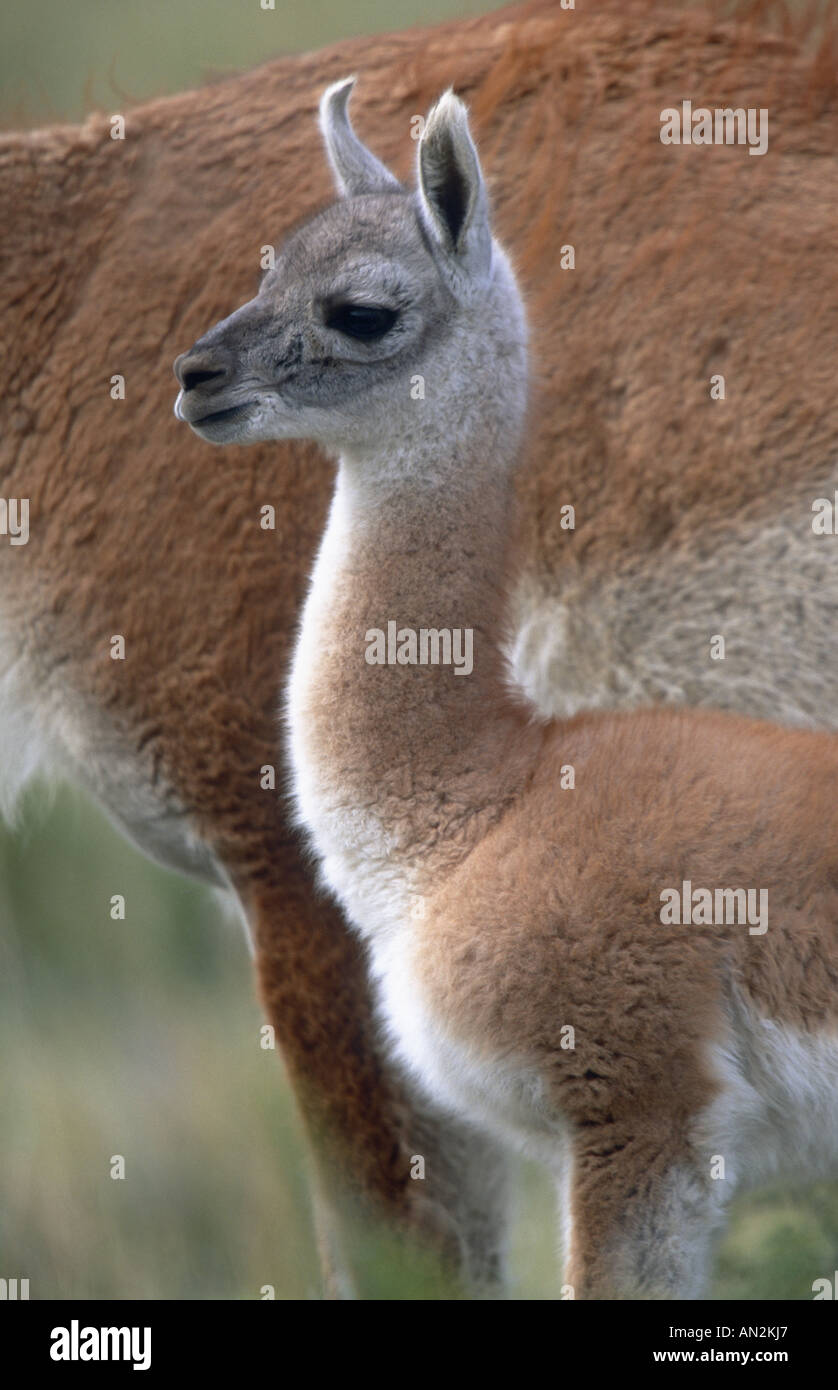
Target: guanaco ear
453	202
355	168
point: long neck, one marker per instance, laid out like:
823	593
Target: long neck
406	743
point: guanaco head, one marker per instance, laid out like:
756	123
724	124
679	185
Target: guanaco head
386	297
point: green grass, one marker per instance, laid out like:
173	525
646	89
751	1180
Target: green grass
140	1038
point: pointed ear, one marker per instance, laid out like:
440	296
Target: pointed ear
355	168
453	202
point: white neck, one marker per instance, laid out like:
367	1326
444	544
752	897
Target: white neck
399	767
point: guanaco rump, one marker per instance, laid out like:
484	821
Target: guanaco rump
544	991
693	517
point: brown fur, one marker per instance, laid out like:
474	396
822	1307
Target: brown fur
117	255
659	797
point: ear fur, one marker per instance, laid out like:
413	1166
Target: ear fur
453	202
355	168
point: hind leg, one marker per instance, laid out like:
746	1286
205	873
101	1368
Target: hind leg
642	1216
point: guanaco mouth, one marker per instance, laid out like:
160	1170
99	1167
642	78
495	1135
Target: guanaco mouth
216	417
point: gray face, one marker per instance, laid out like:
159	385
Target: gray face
333	337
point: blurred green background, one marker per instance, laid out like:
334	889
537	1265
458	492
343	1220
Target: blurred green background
60	59
141	1037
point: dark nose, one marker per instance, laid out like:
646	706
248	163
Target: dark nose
196	368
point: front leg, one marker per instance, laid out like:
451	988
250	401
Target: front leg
643	1215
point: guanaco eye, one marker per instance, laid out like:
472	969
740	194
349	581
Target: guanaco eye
361	320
